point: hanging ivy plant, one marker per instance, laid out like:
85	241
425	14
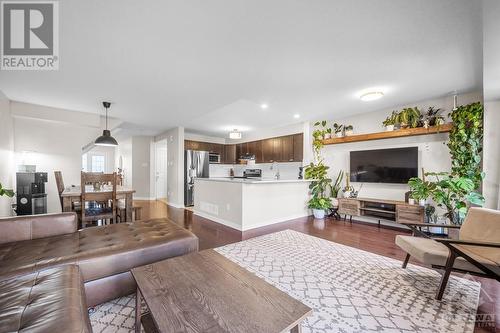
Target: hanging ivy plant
466	142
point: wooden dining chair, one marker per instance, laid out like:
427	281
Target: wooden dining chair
60	186
98	205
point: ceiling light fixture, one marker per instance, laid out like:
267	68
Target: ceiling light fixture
371	96
264	106
106	139
235	135
296	116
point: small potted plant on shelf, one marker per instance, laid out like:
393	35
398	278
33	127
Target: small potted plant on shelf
338	129
328	133
391	121
349	130
433	117
409	117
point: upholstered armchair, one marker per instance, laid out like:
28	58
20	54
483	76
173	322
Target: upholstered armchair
476	251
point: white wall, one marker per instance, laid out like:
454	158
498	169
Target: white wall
175	165
141	166
491	154
433	153
124	151
52	139
6	153
491	86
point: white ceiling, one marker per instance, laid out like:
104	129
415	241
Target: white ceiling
208	65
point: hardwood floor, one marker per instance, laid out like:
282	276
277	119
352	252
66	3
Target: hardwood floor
362	236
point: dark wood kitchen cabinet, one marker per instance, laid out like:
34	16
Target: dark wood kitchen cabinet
298	147
229	154
288	148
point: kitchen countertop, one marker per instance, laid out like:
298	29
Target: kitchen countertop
253	180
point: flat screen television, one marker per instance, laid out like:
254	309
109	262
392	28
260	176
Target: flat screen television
396	165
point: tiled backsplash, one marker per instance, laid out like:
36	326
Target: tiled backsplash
286	170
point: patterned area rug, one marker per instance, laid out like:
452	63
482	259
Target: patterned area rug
350	290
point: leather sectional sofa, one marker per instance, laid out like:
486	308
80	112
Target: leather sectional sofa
103	255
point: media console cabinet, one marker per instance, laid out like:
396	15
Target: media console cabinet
383	210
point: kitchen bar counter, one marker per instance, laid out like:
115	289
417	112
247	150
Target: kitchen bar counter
244	204
253	180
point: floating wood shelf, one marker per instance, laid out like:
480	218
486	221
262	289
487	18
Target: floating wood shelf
390	134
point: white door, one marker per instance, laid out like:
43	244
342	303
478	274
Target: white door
161	170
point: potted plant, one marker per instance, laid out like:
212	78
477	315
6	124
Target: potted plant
391	121
335	188
338	129
318	135
409	117
420	190
318	172
328	133
319	205
349	130
434	117
451	192
5	192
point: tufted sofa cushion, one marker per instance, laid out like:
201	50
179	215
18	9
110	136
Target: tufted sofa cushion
99	251
52	300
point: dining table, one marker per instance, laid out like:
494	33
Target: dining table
73	194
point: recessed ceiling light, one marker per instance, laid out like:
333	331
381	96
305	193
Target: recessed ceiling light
371	96
235	134
296	116
264	106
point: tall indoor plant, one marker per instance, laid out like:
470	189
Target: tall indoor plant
466	142
319	201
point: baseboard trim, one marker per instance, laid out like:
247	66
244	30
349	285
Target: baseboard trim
217	220
174	204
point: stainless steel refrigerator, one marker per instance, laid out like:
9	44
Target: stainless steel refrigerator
196	165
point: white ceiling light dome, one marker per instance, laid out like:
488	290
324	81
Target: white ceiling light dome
371	96
235	134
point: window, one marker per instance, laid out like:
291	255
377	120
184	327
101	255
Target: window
97	163
84	163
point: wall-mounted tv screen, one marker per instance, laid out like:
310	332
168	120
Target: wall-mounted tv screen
395	165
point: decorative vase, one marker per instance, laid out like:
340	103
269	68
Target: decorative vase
319	213
389	128
411	201
327	136
346	194
349	132
426	123
339	134
440	122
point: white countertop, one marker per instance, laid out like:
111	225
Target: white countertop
253	181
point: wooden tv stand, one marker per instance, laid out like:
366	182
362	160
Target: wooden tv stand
383	210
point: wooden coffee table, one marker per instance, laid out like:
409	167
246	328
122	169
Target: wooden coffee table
205	292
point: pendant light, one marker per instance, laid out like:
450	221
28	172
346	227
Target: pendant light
106	139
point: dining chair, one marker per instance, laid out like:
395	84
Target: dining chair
60	186
76	206
98	205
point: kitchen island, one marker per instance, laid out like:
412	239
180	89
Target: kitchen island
245	204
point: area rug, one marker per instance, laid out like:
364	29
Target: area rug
349	290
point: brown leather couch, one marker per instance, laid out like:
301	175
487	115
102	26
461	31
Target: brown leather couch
51	300
104	254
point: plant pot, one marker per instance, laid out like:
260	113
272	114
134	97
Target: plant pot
422	202
319	213
327	136
339	134
335	202
411	201
389	128
347	194
349	132
403	125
